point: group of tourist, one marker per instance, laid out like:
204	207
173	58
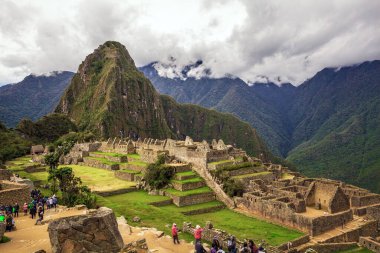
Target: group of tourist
36	207
216	246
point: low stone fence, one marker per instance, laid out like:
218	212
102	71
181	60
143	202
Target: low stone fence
162	203
328	247
13	192
115	192
242	171
370	244
34	168
125	175
295	243
192	199
98	164
324	223
119	159
368	229
204	210
188	186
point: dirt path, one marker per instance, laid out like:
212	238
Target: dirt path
28	238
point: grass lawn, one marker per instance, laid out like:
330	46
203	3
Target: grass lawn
355	250
220	162
137	204
99	179
139	163
134	156
252	175
187	181
186	173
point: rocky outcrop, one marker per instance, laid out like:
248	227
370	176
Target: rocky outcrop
139	246
94	232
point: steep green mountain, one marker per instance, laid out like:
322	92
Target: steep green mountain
33	97
110	96
12	144
337	119
327	126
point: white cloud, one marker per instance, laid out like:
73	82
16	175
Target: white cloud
290	39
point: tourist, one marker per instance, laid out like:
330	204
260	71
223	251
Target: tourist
16	208
231	245
40	215
33	211
245	248
261	249
198	233
221	250
175	233
252	246
55	201
9	223
213	249
216	242
25	209
199	247
2	216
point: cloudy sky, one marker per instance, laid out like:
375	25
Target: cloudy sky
286	39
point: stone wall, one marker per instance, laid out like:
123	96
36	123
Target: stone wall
120	159
373	212
367	229
11	193
193	199
217	155
242	171
370	199
124	175
328	247
162	203
324	223
188	186
5	174
370	244
98	164
295	243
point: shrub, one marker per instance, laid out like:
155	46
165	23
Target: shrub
158	175
233	188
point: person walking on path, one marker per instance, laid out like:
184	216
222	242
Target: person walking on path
40	215
16	209
33	211
199	247
198	233
175	233
25	209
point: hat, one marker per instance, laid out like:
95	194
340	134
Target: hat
197	227
174	224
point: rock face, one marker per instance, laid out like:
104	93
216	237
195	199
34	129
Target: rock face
95	232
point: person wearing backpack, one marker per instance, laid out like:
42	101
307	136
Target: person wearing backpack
231	245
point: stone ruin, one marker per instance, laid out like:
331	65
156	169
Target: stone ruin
11	191
95	232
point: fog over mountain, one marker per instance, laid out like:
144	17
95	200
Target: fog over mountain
280	40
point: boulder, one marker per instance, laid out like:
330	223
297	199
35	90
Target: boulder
94	232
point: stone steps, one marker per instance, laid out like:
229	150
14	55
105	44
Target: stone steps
190	197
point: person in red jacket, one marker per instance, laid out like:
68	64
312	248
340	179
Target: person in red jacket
175	233
198	233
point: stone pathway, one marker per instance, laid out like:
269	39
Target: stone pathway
29	238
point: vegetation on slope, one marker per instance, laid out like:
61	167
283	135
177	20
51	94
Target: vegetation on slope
12	145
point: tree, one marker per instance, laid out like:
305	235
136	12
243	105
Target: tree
73	192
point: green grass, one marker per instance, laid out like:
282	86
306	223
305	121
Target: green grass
188	181
220	162
187	193
186	173
130	171
103	160
139	163
355	250
137	204
99	179
134	156
252	175
5	239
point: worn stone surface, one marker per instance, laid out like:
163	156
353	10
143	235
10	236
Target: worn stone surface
95	232
139	246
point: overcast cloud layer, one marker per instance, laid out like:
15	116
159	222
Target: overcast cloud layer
290	40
